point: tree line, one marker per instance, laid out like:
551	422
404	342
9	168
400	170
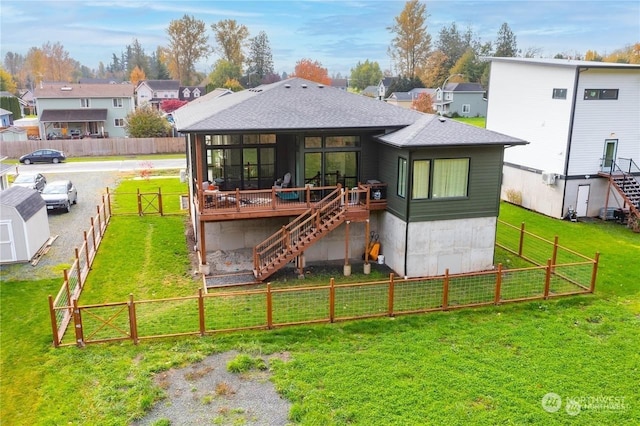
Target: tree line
245	61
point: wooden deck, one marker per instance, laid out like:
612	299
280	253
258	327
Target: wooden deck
255	204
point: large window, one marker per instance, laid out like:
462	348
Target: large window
421	174
592	94
440	178
330	160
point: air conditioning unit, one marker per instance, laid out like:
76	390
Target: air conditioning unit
549	178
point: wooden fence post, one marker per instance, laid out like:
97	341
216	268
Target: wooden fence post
133	323
100	223
139	202
65	274
201	312
77	323
86	248
54	323
332	300
79	268
445	290
521	243
594	273
496	297
391	294
554	254
269	307
108	200
547	279
160	201
93	232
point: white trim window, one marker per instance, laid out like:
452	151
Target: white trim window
118	122
466	108
85	103
117	102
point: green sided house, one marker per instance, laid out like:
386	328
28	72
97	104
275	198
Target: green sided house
300	172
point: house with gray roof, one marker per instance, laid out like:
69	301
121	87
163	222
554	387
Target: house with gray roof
461	99
406	99
73	110
428	186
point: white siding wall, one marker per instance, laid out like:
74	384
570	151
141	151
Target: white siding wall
597	120
521	105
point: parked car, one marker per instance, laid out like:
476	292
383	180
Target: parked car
60	194
30	180
44	156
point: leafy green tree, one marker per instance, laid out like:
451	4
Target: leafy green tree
231	39
223	71
506	45
158	65
411	44
136	57
469	66
365	74
11	103
188	43
146	122
259	59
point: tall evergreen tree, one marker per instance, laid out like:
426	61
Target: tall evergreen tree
506	45
259	59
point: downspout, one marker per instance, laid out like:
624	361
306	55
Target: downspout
407	211
570	135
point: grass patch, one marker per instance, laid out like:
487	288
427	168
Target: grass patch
478	366
474	121
243	363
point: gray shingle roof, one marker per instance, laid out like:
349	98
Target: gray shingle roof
26	201
432	130
53	115
293	104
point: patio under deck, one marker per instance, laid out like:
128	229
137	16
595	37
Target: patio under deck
255	204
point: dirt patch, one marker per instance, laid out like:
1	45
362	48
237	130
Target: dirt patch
207	393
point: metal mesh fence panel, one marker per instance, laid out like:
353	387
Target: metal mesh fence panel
522	283
354	300
167	316
416	295
571	278
304	305
471	289
508	236
225	311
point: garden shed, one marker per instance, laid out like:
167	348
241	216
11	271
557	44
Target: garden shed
24	225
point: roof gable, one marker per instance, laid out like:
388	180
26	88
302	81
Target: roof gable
71	91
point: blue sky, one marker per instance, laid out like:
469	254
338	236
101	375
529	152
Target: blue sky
338	34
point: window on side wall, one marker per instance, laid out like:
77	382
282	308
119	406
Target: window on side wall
600	94
466	109
119	122
402	177
559	94
450	178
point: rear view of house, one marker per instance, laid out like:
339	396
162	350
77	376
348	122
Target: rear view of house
582	121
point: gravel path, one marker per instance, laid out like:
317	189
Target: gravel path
68	227
206	393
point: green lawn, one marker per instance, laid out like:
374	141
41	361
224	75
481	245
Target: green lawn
477	366
475	121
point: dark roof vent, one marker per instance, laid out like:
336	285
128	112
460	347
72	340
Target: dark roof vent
304	86
288	86
320	86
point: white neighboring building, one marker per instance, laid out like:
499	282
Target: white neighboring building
582	120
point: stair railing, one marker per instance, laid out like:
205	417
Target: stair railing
283	241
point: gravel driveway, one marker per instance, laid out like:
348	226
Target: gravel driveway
68	227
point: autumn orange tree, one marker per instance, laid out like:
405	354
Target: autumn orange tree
137	75
311	70
423	103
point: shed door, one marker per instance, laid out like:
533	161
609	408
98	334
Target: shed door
583	200
7	245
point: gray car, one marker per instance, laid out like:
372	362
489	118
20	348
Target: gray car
60	194
30	180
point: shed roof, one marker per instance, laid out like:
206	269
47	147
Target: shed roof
25	201
53	115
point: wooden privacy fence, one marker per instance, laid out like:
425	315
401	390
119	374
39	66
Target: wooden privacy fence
267	307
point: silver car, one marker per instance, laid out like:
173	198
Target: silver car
60	194
30	180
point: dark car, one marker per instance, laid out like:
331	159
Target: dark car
44	156
30	180
60	194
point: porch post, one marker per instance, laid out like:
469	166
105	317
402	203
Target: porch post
347	266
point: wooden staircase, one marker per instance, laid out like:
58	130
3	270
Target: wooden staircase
293	239
628	188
